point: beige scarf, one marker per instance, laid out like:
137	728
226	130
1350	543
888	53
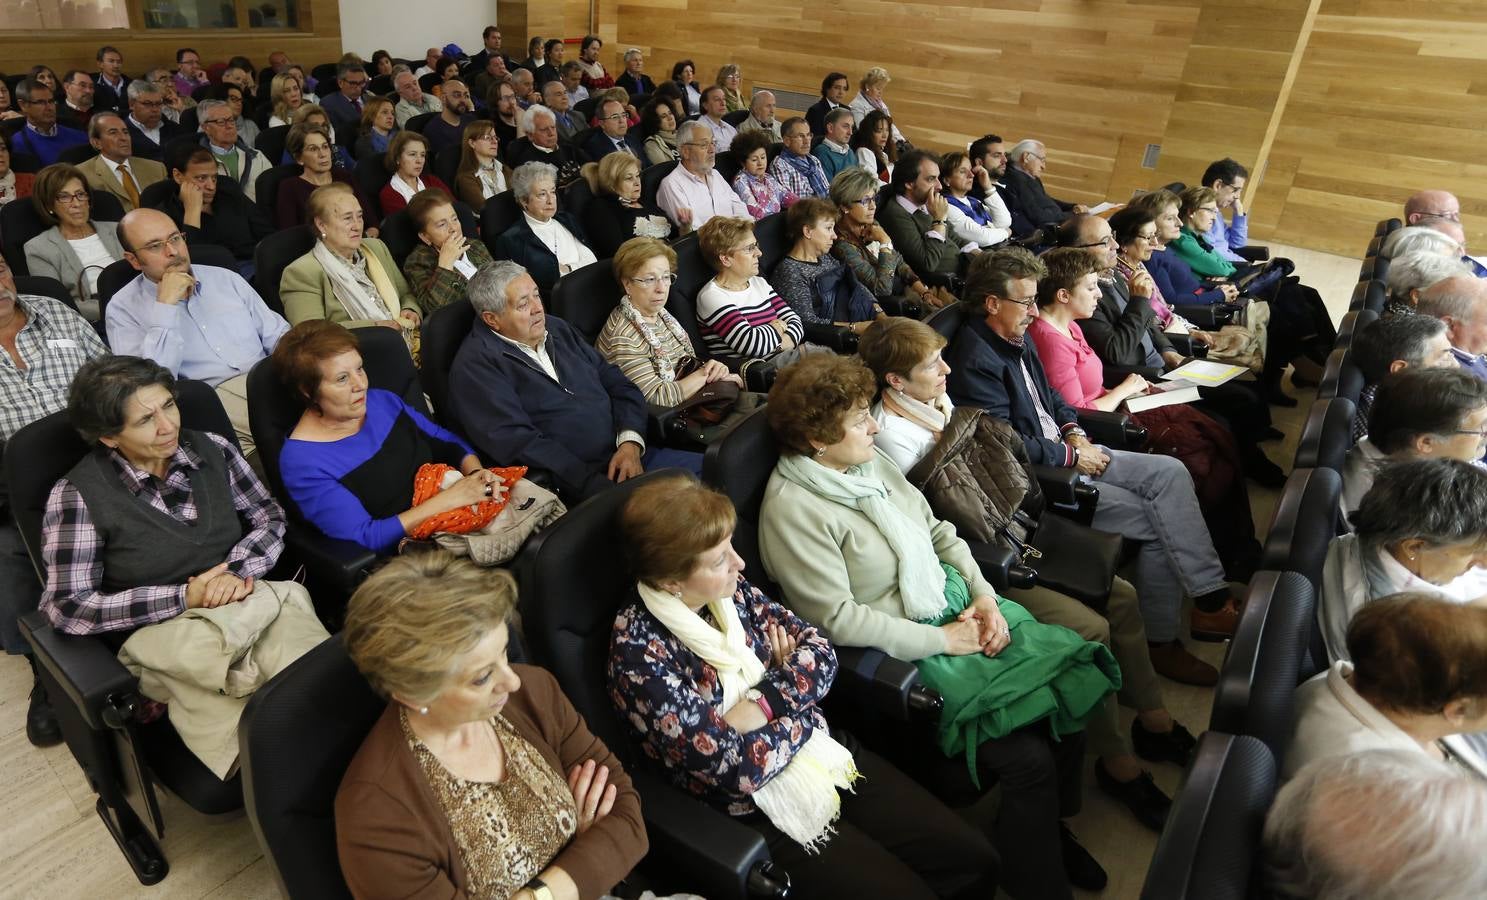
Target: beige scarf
929	416
350	285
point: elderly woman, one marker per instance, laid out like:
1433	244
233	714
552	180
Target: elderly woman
743	679
378	125
346	278
1416	673
13	185
310	146
864	247
349	463
869	99
76	249
658	124
480	779
1176	282
873	142
760	191
444	261
617	214
856	550
643	339
634	79
982	220
1412	272
45	75
684	76
311	114
730	79
480	175
547	241
1422	528
817	286
286	94
407	156
158	520
1419	238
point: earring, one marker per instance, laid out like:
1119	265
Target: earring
423	710
820	451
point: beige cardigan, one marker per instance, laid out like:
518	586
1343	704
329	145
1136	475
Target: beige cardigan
306	291
839	573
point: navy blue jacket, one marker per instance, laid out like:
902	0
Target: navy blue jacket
986	372
515	414
600	145
1028	202
1178	284
520	245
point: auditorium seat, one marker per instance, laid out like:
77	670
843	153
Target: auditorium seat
273	255
443	332
20	222
1327	435
42	286
1307	518
1267	658
1353	322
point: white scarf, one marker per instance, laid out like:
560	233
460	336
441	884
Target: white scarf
801	799
401	186
7	187
665	367
921	580
354	286
492	180
570	253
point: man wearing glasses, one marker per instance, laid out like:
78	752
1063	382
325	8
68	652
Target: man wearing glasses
235	158
613	135
1034	213
148	127
1227	179
199	322
1441	211
344	107
694	191
115	169
42	137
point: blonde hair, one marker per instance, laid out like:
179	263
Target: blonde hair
719	235
611	169
320	199
874	77
638	251
411	624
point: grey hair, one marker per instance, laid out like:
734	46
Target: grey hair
685	130
487	289
529	118
1418	238
27	86
1026	145
523	75
401	71
151	75
100	392
836	115
398	70
139	88
759	98
204	109
852	184
1458	297
1419	269
526	177
348	67
1377	825
1440	501
633	52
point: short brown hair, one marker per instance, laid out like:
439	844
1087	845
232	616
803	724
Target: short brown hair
49	183
638	251
671	521
321	197
399	142
369	111
747	142
611	170
1414	653
423	204
297	356
1194	197
413	621
895	345
994	272
1156	201
807	211
811	399
1062	270
719	235
300	132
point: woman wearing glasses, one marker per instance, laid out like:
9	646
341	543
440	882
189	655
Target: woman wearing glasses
863	246
75	250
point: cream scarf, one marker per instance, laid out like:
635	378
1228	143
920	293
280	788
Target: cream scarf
350	285
932	417
7	187
801	800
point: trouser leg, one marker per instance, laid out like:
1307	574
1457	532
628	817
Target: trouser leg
20	591
1035	774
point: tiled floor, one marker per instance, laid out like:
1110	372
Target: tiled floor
53	845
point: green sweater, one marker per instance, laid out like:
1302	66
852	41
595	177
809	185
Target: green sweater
1204	262
839	573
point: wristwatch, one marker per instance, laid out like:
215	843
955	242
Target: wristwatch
539	889
756	696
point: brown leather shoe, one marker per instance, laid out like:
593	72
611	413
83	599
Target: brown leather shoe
1174	661
1218	625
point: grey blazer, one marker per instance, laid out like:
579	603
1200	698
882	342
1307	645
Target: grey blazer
50	255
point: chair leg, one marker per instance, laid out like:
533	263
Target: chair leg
135	841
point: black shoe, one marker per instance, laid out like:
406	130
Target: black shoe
1175	746
1082	870
1277	397
1259	469
1140	795
42	729
1271	433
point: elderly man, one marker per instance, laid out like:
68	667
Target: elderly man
795	167
714	107
1378	823
834	152
235	158
1034	213
242	78
633	79
47	343
344	106
761	116
189	73
555	98
1441	211
41	136
430	61
530	391
447	129
111	82
694	191
147	123
173	103
213	210
525	83
115	169
915	219
1392	345
541	144
200	322
572	78
412	101
614	135
1461	302
78	89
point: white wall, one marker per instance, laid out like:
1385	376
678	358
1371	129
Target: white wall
406	29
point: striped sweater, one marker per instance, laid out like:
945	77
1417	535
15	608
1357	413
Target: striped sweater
622	344
735	324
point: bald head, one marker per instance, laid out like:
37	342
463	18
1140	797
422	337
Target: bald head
1426	206
1461	302
762	106
146	237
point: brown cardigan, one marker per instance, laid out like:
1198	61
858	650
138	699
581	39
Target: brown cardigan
394	840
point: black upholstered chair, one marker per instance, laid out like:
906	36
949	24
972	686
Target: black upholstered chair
273	255
42	286
20	222
1353	322
443	332
270	142
1374	267
266	187
1306	520
1340	378
499	214
651	178
1267	659
1210	848
1327	435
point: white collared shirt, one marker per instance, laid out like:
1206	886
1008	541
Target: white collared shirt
151	133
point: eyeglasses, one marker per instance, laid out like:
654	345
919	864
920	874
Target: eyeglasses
1107	241
149	104
617	117
75	197
1026	302
1147	237
869	200
41	102
1208	209
650	281
705	145
360	83
175	242
747	248
232	121
1449	216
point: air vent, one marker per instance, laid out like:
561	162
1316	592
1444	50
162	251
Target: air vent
792	99
1150	157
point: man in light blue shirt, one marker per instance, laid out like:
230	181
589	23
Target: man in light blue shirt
1227	178
200	322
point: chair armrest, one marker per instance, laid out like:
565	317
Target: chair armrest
663	426
1114	375
836	337
95	682
884	684
758	375
1184	344
1207	316
1002	566
1060	484
1253	253
702	849
340	565
1113	429
902	306
951	283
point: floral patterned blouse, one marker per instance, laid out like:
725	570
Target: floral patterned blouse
673	700
763	196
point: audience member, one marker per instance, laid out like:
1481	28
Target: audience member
546	242
111	81
658	124
1412	272
430	65
504	113
833	96
684	76
234	96
13	185
981	217
795	168
1226	178
694	192
535	55
856	549
482	79
633	79
572	82
412	100
529	391
43	74
381	63
1391	345
835	152
344	106
173	104
444	261
873	146
1461	302
862	244
7	107
480	175
613	135
235	157
744	679
1172	276
491	38
870	99
557	101
312	115
286	93
915	216
406	159
415	811
189	73
762	193
1034	212
41	137
814	283
1422	527
541	144
741	317
714	107
209	210
448	127
77	103
346	278
553	51
147	123
349	462
525	86
378	125
114	169
761	116
75	249
617	213
310	145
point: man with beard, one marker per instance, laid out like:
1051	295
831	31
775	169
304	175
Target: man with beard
47	343
448	128
199	322
75	110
